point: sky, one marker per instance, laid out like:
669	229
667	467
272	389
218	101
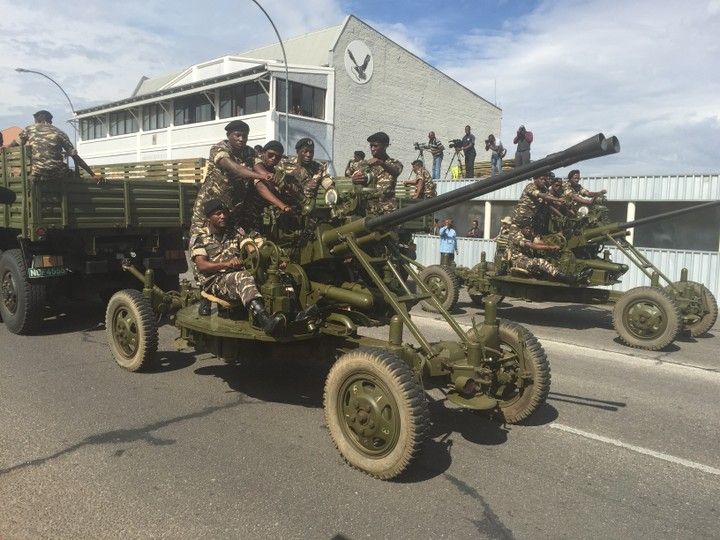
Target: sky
647	71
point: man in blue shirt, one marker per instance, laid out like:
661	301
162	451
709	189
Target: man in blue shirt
448	243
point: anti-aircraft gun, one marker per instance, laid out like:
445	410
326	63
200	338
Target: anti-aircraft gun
332	272
644	317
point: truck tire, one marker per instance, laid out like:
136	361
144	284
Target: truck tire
22	301
443	284
702	305
647	318
132	331
376	412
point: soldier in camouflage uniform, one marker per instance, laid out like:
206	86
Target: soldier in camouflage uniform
357	163
384	171
531	210
215	254
303	175
423	182
250	214
578	194
49	148
230	175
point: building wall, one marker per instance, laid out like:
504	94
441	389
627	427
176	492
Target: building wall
406	98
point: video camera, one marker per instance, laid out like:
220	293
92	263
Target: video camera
456	143
419	146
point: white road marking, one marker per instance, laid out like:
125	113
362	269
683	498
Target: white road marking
639	449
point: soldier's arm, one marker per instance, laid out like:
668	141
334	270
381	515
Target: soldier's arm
326	181
267	194
80	162
541	246
206	266
393	167
419	186
239	169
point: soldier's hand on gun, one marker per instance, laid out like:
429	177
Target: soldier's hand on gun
234	264
358	177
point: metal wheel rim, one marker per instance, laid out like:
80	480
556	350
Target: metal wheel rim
125	331
9	292
644	319
368	414
510	366
436	285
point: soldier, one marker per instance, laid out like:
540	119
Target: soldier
215	254
423	182
248	213
384	170
49	148
303	174
556	188
577	193
229	168
531	209
519	253
356	163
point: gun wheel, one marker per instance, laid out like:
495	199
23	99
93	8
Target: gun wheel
444	285
376	412
697	305
647	318
525	372
132	331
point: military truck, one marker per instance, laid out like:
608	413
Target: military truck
649	317
332	270
68	238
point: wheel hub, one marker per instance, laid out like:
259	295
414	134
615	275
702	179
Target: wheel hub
370	415
9	293
437	287
125	332
645	320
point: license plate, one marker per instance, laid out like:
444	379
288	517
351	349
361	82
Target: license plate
51	271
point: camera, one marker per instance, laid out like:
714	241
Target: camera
418	146
455	143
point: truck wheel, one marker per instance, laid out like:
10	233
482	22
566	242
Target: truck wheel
132	331
376	412
647	318
443	284
22	301
696	301
528	390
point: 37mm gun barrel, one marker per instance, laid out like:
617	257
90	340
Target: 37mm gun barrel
665	215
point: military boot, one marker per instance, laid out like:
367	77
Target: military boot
204	307
271	324
583	277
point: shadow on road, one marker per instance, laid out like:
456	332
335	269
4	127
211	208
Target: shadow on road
572	316
587	402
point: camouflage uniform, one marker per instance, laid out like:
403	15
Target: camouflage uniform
577	189
429	189
531	211
249	213
218	184
309	177
49	146
520	256
384	187
354	166
225	284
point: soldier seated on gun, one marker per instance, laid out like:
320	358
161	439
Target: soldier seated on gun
356	163
532	208
578	194
215	253
49	146
556	188
423	182
519	251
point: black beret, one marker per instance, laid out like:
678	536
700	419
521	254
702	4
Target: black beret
43	114
380	137
237	125
302	143
213	205
276	146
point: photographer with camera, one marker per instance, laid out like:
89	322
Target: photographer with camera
498	153
436	149
523	139
468	146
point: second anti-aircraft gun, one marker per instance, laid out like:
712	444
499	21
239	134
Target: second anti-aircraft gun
331	272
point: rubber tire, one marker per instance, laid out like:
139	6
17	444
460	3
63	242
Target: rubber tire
535	393
145	321
28	315
451	283
410	402
661	299
708	321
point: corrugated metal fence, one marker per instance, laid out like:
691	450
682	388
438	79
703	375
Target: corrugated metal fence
703	266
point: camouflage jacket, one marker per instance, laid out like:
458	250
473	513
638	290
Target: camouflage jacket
218	184
515	243
48	146
577	189
384	183
429	189
530	204
305	179
217	247
354	166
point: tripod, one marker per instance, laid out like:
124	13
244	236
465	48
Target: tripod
456	155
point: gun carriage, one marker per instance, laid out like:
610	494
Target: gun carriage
331	271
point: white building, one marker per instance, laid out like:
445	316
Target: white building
347	81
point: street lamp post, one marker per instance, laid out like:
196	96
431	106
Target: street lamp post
287	75
72	107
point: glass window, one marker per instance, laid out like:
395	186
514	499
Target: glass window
122	123
193	109
304	100
153	117
698	230
242	99
91	128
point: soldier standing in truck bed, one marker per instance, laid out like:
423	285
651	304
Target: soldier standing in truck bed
230	175
381	172
303	174
423	182
49	147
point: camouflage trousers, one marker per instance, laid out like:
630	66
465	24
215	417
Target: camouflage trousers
237	285
534	265
383	206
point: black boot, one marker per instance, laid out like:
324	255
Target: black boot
271	324
583	277
204	307
564	278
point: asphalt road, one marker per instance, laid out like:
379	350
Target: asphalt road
626	445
